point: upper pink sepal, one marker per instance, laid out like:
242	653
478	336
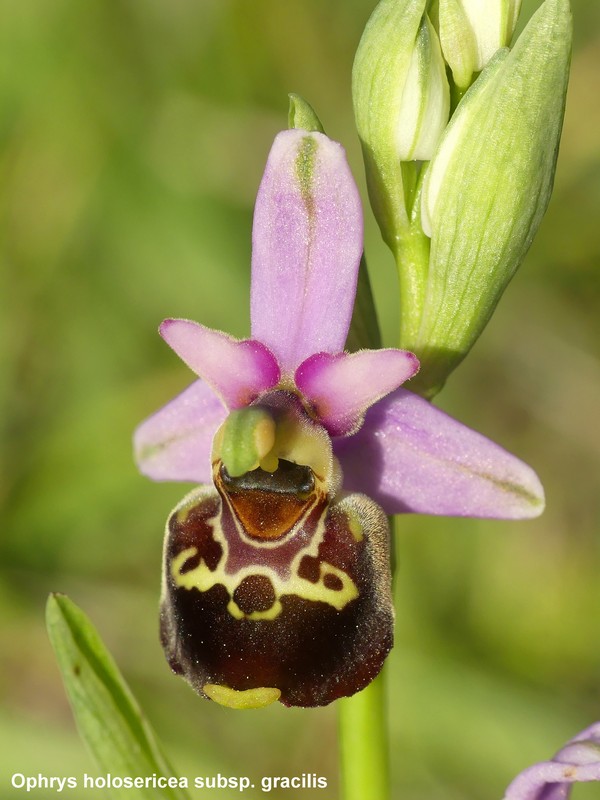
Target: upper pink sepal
409	456
342	387
238	371
306	249
174	444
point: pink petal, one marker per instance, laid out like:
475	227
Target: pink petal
342	387
411	457
238	371
307	243
174	444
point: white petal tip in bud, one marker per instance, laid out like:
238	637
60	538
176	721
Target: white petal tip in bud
425	103
493	23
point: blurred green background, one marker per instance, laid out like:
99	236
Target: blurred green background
133	138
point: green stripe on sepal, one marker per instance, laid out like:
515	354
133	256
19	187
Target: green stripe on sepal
305	171
108	717
487	189
364	329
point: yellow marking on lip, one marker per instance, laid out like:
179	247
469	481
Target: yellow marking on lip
320	593
182	515
270	613
355	526
203	579
248	698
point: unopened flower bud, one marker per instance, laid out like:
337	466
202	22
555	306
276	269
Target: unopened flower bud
400	97
488	187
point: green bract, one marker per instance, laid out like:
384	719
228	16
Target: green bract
301	115
488	187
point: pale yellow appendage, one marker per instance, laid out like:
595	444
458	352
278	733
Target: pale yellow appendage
232	698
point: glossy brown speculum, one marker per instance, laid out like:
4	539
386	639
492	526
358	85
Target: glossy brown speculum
267	504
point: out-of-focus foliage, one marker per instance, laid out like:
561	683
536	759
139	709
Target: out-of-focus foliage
133	136
108	717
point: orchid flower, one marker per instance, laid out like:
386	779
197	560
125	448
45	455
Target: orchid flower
276	579
577	762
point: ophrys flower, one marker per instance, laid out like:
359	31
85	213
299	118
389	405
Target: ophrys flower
277	581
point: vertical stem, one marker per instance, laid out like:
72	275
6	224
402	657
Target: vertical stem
411	254
364	328
364	743
363	733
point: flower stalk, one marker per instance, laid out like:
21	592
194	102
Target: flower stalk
364	743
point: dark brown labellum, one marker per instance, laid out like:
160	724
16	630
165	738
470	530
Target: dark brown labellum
269	586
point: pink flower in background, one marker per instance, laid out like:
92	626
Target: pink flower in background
577	762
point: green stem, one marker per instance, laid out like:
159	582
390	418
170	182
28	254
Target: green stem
412	258
363	732
364	746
